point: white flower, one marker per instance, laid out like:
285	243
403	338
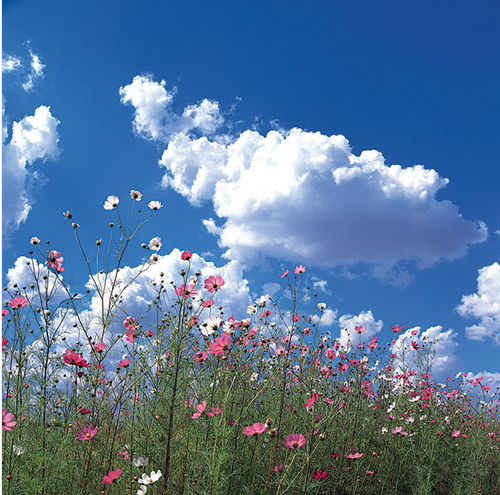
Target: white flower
384	430
154	258
210	325
35	241
155	281
111	202
155	243
414	399
321	306
252	309
423	417
262	300
154	205
391	407
254	377
140	461
458	375
142	490
409	420
229	327
135	195
18	450
147	480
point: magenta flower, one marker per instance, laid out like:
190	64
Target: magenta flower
124	363
200	357
255	429
185	292
221	344
4	343
299	269
278	469
130	323
186	255
320	475
200	409
8	420
310	402
111	476
72	357
456	433
54	260
18	303
213	284
87	432
294	441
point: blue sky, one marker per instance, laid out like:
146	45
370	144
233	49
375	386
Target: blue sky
245	105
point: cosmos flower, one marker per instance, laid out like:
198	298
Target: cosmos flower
111	202
294	441
7	420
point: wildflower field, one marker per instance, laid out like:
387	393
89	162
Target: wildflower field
186	399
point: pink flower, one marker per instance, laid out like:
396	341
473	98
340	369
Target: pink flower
255	429
18	302
356	455
186	292
215	411
359	329
5	312
414	345
208	303
320	475
4	343
200	357
294	441
397	328
8	420
55	260
124	363
87	432
131	335
330	354
72	357
200	409
213	284
100	347
130	323
456	433
280	350
295	318
299	269
306	331
372	345
278	469
400	430
186	255
285	273
111	476
221	344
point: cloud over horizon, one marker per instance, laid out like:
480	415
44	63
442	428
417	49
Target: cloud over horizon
300	195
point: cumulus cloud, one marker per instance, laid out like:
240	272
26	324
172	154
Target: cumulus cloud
366	319
328	317
154	118
435	353
301	195
10	63
484	305
33	138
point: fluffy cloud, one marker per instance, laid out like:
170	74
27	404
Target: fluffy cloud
154	119
484	305
10	63
435	354
301	195
31	70
35	71
33	138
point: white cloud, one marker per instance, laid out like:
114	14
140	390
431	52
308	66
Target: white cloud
33	138
35	73
271	288
321	286
303	196
347	323
484	305
435	354
154	118
10	63
328	317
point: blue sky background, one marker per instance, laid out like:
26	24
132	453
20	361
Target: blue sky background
416	81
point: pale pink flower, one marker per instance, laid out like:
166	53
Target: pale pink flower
213	284
111	202
330	354
8	420
154	205
54	260
135	195
400	430
372	344
356	455
255	429
294	441
200	409
185	292
18	302
299	269
100	347
155	243
87	432
359	329
34	241
111	476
